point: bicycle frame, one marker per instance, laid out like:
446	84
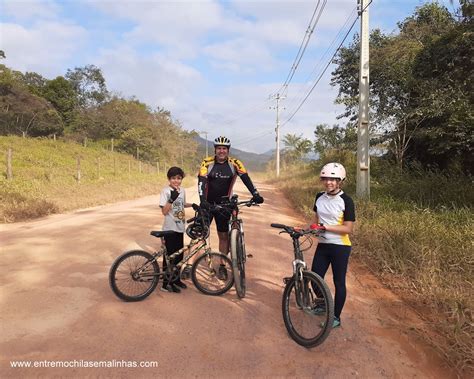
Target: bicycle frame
192	248
299	265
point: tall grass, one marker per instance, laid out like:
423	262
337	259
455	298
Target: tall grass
45	177
417	234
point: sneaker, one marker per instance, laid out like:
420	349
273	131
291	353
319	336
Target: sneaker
166	288
336	323
222	273
180	284
175	288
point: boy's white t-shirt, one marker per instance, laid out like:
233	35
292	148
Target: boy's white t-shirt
175	219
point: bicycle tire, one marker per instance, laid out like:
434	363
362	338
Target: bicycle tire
238	265
135	259
288	308
204	274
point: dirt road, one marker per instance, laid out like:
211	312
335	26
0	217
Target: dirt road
56	305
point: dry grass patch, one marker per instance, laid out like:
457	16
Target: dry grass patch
418	245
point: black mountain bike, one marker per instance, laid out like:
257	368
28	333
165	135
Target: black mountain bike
307	306
135	274
236	240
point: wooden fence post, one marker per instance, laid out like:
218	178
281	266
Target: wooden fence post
9	164
85	141
115	166
157	167
78	177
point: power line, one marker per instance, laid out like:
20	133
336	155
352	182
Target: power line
320	76
304	44
321	60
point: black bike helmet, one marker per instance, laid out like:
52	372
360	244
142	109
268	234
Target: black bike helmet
197	230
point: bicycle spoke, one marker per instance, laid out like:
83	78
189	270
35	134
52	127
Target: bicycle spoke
306	314
130	279
207	277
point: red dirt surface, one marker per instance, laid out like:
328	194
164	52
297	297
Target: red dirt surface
56	305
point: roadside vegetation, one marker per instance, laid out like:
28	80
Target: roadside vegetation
45	177
76	144
416	233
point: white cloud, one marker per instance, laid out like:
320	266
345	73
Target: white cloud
44	48
30	9
240	54
155	80
175	25
181	55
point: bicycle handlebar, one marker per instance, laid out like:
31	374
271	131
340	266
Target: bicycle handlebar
295	231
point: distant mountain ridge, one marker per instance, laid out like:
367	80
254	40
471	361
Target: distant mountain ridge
252	161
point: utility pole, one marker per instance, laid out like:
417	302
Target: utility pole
277	130
207	150
363	159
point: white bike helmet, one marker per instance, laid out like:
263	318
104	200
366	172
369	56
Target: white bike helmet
333	170
222	141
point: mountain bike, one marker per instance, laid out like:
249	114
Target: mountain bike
236	240
307	305
135	274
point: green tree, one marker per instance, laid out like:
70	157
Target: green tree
23	113
296	147
35	82
61	95
338	138
89	85
414	87
446	77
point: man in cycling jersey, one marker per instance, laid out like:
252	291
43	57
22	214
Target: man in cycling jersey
216	179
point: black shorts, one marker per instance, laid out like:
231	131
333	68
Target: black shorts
222	218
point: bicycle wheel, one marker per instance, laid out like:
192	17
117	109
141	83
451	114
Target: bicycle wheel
205	274
134	275
308	309
238	263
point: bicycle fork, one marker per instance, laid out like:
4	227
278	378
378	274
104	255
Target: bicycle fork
302	292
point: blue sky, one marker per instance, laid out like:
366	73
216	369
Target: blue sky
213	64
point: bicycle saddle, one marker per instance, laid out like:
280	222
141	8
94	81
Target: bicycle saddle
161	233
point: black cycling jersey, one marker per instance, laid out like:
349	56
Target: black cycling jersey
216	180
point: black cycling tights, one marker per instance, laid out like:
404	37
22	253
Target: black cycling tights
338	257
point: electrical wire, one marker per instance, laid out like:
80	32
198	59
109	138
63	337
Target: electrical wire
290	75
304	44
322	59
321	75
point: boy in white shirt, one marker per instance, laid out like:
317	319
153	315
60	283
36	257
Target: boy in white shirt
172	204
